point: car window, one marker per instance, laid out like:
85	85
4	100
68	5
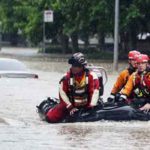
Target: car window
12	65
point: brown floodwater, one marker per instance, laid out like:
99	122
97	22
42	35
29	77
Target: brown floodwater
22	129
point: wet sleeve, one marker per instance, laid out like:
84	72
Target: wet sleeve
120	82
63	90
93	89
127	90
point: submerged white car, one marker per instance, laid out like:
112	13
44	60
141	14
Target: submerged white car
12	68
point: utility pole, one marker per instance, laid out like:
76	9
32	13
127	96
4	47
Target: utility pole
116	36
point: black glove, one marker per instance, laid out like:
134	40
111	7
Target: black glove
117	96
111	98
122	100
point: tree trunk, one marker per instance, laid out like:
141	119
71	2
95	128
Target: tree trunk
86	42
133	39
124	36
101	40
64	42
74	39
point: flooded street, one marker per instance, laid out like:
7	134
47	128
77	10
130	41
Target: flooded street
21	128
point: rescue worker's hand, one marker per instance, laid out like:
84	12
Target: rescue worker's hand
122	99
73	110
111	98
145	108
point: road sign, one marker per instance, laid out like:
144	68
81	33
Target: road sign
48	16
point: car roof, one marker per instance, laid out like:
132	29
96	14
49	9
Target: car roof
8	64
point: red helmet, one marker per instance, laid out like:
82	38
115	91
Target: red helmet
136	57
142	58
133	54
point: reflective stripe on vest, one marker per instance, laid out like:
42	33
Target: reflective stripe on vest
79	93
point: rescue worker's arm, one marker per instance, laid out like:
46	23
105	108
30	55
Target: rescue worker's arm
63	90
126	91
93	89
120	83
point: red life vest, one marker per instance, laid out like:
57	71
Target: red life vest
79	90
140	88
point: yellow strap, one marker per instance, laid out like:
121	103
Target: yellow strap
134	78
82	83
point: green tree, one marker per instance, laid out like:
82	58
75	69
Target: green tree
74	19
134	20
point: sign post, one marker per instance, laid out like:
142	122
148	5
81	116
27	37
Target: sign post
47	17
